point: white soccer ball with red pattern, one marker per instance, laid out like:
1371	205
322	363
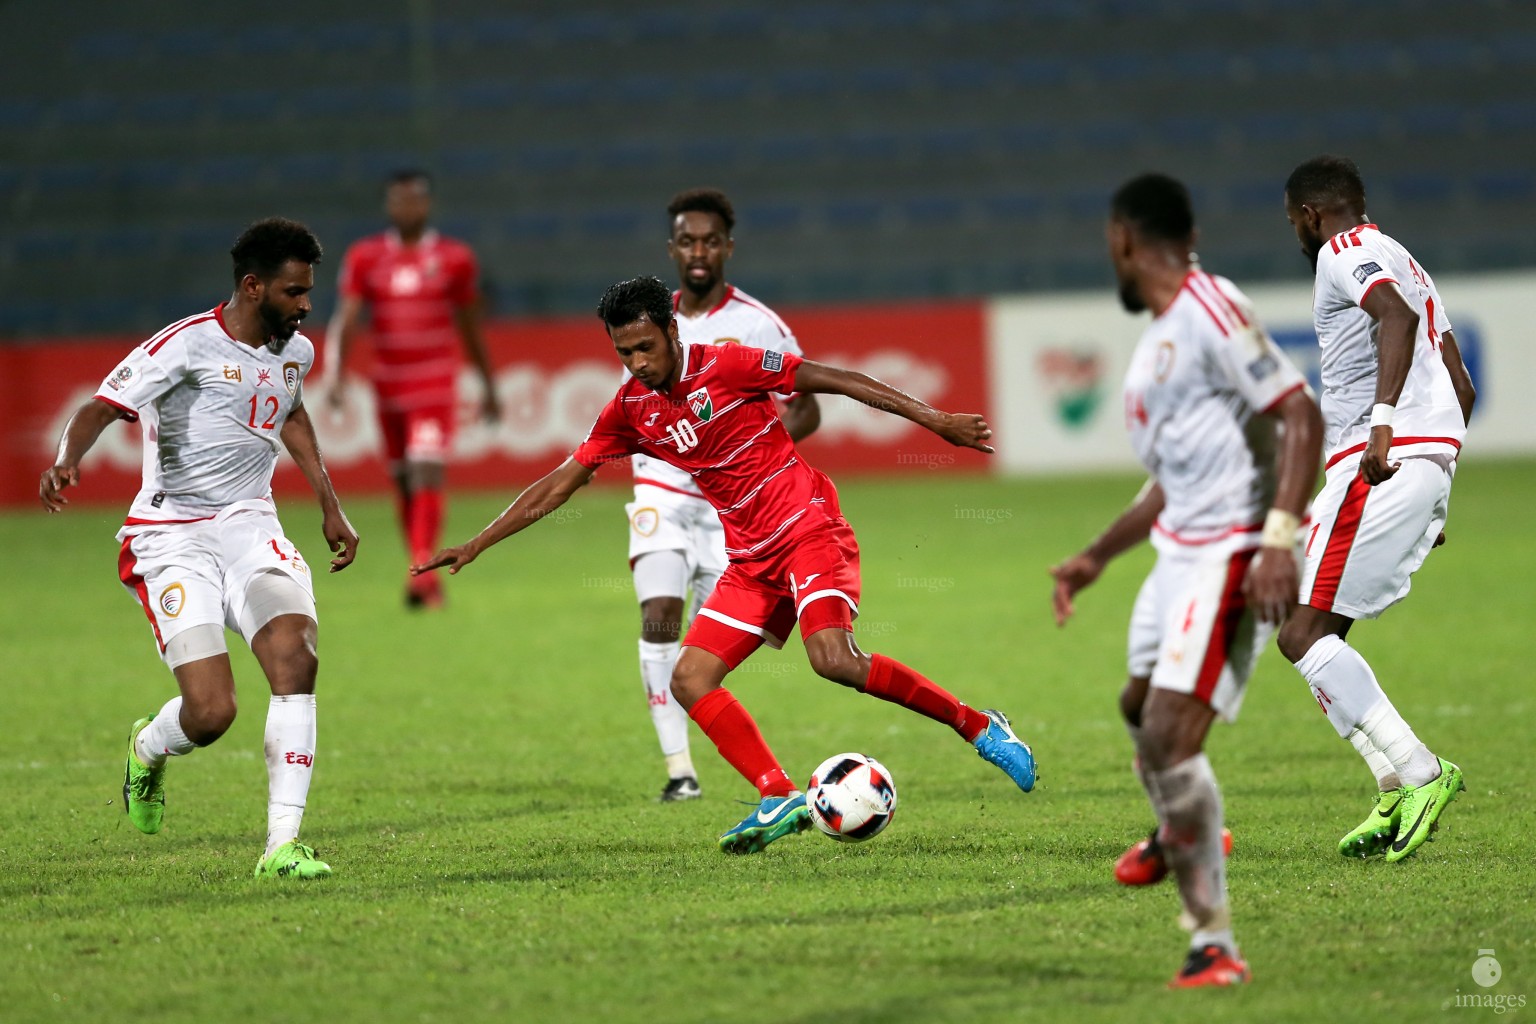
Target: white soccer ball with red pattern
851	797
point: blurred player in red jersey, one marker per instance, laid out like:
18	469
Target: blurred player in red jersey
423	291
709	410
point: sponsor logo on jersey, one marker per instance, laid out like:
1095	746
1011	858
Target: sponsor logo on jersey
1365	270
701	404
291	377
1263	366
651	419
263	376
158	499
1074	378
726	341
773	362
173	599
123	375
1162	362
232	373
644	521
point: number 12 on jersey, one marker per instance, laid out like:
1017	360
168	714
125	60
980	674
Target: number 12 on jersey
269	407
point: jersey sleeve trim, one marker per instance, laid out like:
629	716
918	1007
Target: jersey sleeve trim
1372	287
131	415
1287	393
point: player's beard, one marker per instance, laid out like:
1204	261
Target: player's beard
277	330
702	286
1130	297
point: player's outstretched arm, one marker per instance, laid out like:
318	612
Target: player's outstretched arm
1272	583
82	430
965	430
541	498
1130	528
1397	326
298	436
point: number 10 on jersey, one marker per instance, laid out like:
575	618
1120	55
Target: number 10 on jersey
683	435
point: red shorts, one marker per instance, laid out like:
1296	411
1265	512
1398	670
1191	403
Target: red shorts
815	581
423	434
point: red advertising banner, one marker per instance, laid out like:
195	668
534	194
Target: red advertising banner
552	376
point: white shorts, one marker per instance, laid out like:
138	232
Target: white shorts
1367	542
663	520
193	574
1191	631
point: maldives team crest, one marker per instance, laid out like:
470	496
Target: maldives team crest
699	401
291	377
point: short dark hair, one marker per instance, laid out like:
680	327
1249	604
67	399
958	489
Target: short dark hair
704	200
406	175
1157	206
266	245
628	301
1327	181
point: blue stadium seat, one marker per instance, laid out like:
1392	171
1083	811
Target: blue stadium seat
90	109
1014	206
21	115
853	212
1504	186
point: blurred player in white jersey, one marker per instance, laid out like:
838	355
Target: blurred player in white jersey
1205	392
1396	401
676	542
217	394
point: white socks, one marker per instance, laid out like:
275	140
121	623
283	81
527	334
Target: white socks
669	718
163	736
290	750
1189	808
1386	775
1346	688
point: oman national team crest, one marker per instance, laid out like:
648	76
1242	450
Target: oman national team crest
699	401
291	377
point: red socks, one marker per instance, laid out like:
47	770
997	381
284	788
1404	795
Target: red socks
424	523
891	680
722	718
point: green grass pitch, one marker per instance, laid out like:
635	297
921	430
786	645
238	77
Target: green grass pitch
485	778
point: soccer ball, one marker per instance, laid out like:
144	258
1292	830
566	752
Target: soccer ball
851	797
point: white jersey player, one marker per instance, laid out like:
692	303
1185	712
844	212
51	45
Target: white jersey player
676	543
1206	394
202	548
1397	400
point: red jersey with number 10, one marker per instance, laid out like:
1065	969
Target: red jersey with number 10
412	292
720	425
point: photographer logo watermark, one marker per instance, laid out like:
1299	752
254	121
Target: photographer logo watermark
1487	973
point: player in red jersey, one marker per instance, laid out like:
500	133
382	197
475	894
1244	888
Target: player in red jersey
793	557
424	294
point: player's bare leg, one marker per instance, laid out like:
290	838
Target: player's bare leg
1188	801
286	649
420	483
1143	863
197	716
1413	784
697	684
661	621
835	655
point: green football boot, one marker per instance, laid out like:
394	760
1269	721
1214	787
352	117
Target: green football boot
292	860
1422	806
775	818
143	787
1373	836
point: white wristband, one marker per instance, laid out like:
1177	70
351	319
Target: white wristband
1381	415
1280	529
